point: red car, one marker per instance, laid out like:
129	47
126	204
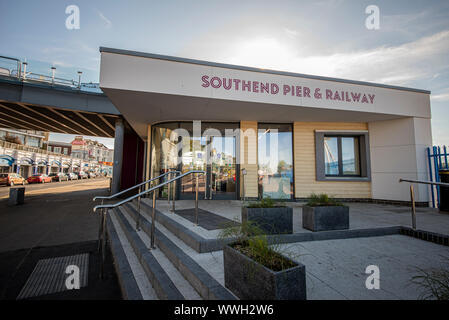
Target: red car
39	178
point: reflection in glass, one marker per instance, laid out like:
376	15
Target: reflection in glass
275	161
174	146
331	155
350	155
223	164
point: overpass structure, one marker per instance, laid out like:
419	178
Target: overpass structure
32	101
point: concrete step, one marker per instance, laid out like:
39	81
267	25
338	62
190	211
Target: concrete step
181	284
192	239
177	252
167	281
132	278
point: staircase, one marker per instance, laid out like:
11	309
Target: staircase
172	271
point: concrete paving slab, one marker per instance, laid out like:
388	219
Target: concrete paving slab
362	215
341	264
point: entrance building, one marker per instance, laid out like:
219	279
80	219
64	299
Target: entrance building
262	133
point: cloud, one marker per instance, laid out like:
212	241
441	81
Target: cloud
441	96
105	20
402	64
291	33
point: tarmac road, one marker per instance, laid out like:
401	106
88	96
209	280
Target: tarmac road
43	187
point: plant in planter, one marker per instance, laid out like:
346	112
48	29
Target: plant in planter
269	216
257	270
322	213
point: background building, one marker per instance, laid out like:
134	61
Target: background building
60	147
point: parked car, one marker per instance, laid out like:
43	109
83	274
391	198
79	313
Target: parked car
39	178
10	179
59	176
92	174
73	176
82	175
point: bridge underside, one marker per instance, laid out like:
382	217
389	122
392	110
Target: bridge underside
55	108
19	115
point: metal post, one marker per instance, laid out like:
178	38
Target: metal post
153	220
24	70
53	69
103	245
168	190
138	211
412	197
100	229
174	194
79	79
196	198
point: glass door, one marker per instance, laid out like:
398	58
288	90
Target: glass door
221	168
193	158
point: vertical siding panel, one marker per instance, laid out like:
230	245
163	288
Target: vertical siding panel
305	171
248	158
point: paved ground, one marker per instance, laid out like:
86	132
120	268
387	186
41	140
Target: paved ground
31	188
54	214
16	266
361	215
336	268
56	220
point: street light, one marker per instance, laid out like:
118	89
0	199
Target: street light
79	79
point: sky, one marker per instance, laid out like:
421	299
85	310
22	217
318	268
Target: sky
323	37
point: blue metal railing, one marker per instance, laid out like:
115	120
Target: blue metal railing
437	159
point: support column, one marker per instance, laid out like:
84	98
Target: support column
248	159
148	172
118	155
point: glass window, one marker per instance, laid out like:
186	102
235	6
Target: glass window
341	156
350	155
33	142
331	155
275	161
57	149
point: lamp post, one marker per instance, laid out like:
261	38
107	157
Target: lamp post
53	70
79	79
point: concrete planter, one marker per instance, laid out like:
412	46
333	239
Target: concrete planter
278	220
325	218
250	280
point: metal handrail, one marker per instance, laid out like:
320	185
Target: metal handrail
133	187
425	182
18	62
104	207
412	194
115	205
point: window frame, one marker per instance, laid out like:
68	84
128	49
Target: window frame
364	156
340	156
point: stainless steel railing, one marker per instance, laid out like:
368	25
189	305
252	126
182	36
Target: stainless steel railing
412	194
105	207
101	227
